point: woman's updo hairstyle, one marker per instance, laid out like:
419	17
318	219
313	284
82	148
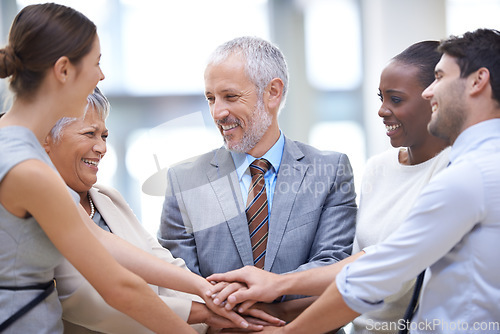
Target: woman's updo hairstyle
39	36
9	61
425	56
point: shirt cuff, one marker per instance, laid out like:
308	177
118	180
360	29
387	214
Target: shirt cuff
348	292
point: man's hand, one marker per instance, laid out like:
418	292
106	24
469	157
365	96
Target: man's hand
222	290
261	286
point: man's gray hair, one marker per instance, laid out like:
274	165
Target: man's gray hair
96	101
263	61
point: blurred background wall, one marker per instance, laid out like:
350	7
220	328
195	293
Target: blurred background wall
154	53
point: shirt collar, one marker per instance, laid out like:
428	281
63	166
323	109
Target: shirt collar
474	136
273	155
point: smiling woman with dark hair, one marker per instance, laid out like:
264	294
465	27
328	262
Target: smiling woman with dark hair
393	179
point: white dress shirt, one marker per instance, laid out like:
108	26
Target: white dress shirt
454	231
388	192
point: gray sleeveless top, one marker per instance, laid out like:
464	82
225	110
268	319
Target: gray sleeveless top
27	256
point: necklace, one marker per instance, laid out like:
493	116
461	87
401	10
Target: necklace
92	208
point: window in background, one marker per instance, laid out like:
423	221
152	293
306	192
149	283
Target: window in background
96	10
166	43
157	47
468	15
333	44
334	69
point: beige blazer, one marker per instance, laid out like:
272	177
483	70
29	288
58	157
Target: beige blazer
84	310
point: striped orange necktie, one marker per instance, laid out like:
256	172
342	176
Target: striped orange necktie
257	211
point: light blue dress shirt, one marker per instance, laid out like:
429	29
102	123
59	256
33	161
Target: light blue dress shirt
242	162
454	231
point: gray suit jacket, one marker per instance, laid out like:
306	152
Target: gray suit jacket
312	220
84	310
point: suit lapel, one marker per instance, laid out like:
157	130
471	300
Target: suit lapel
289	180
108	211
225	184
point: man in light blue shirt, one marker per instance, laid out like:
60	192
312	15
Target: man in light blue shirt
453	231
311	206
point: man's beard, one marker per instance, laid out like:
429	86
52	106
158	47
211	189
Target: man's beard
258	124
449	121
